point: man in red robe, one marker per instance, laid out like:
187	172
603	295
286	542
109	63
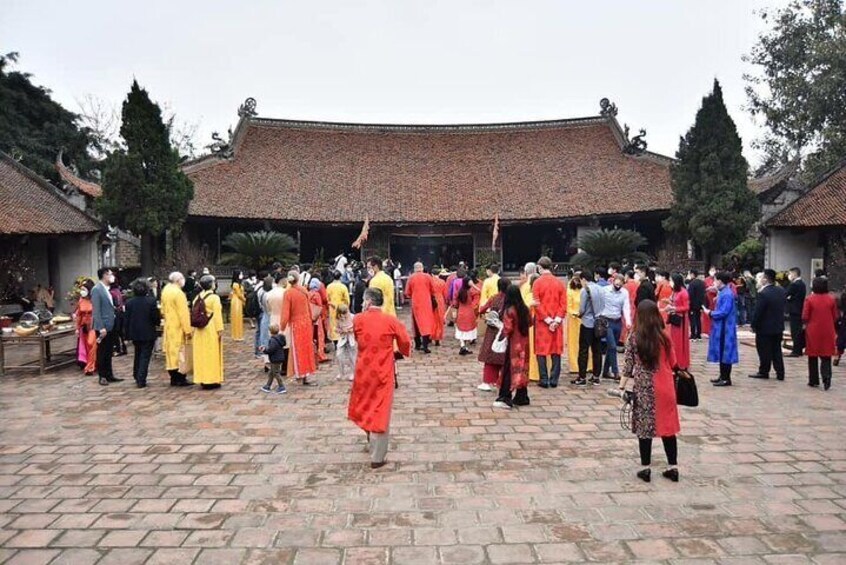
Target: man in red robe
439	284
297	323
421	291
372	392
630	286
551	299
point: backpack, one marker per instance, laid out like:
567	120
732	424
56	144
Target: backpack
199	317
252	308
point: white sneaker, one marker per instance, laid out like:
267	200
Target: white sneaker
485	387
501	404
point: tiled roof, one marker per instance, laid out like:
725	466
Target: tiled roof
31	204
91	189
823	205
340	173
765	183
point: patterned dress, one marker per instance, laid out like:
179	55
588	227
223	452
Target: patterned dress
654	412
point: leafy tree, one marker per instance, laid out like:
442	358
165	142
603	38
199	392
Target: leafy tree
800	87
749	254
144	190
34	128
257	250
713	206
603	246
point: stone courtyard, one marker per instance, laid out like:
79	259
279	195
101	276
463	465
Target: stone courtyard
115	474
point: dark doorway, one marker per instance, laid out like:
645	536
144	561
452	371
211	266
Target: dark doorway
445	250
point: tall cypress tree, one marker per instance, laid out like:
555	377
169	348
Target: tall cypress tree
713	206
144	190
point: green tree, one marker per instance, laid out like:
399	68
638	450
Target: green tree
713	206
257	250
799	87
34	127
144	190
601	247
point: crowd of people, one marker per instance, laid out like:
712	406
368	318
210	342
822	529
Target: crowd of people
526	327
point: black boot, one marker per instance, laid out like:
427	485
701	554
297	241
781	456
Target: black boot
417	346
426	344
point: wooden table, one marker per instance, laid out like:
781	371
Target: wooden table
47	359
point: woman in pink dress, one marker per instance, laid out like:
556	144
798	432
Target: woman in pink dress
649	360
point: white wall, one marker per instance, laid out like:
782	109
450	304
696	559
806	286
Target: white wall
77	258
786	249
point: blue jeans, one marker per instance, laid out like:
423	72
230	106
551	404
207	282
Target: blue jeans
141	360
615	329
550	379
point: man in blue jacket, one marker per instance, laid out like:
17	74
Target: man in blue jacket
104	324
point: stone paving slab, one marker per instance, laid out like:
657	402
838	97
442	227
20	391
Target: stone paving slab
92	474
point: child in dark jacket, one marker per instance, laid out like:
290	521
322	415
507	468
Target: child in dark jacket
277	354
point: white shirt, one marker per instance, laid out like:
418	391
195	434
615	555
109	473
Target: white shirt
108	293
615	304
340	264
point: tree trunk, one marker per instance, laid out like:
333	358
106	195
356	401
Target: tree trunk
148	243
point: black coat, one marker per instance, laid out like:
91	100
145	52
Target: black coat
796	297
358	296
696	292
768	317
645	291
141	319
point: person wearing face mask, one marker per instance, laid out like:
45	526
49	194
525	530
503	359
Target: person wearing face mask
379	279
696	293
103	320
616	309
796	292
87	337
177	328
722	343
645	289
237	300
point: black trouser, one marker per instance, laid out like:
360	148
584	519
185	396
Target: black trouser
770	354
695	323
117	342
671	448
589	342
797	334
725	372
105	350
521	396
814	369
141	360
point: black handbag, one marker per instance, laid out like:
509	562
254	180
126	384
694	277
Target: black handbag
600	323
675	319
686	391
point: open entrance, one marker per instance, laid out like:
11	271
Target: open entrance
431	249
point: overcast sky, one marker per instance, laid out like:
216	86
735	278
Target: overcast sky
396	61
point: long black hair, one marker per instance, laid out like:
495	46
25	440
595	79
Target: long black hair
514	299
678	282
464	292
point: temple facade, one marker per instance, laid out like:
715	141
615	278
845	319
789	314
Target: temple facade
438	193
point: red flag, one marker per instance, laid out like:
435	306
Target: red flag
362	237
495	232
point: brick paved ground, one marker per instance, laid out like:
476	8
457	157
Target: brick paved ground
119	475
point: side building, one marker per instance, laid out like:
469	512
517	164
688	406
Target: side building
810	233
55	242
430	192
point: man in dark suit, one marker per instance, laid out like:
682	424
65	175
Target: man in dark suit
796	291
696	292
104	324
768	325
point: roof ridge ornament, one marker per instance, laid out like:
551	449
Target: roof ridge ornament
248	108
635	145
607	108
219	146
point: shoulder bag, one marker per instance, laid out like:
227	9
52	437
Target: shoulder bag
600	323
686	391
